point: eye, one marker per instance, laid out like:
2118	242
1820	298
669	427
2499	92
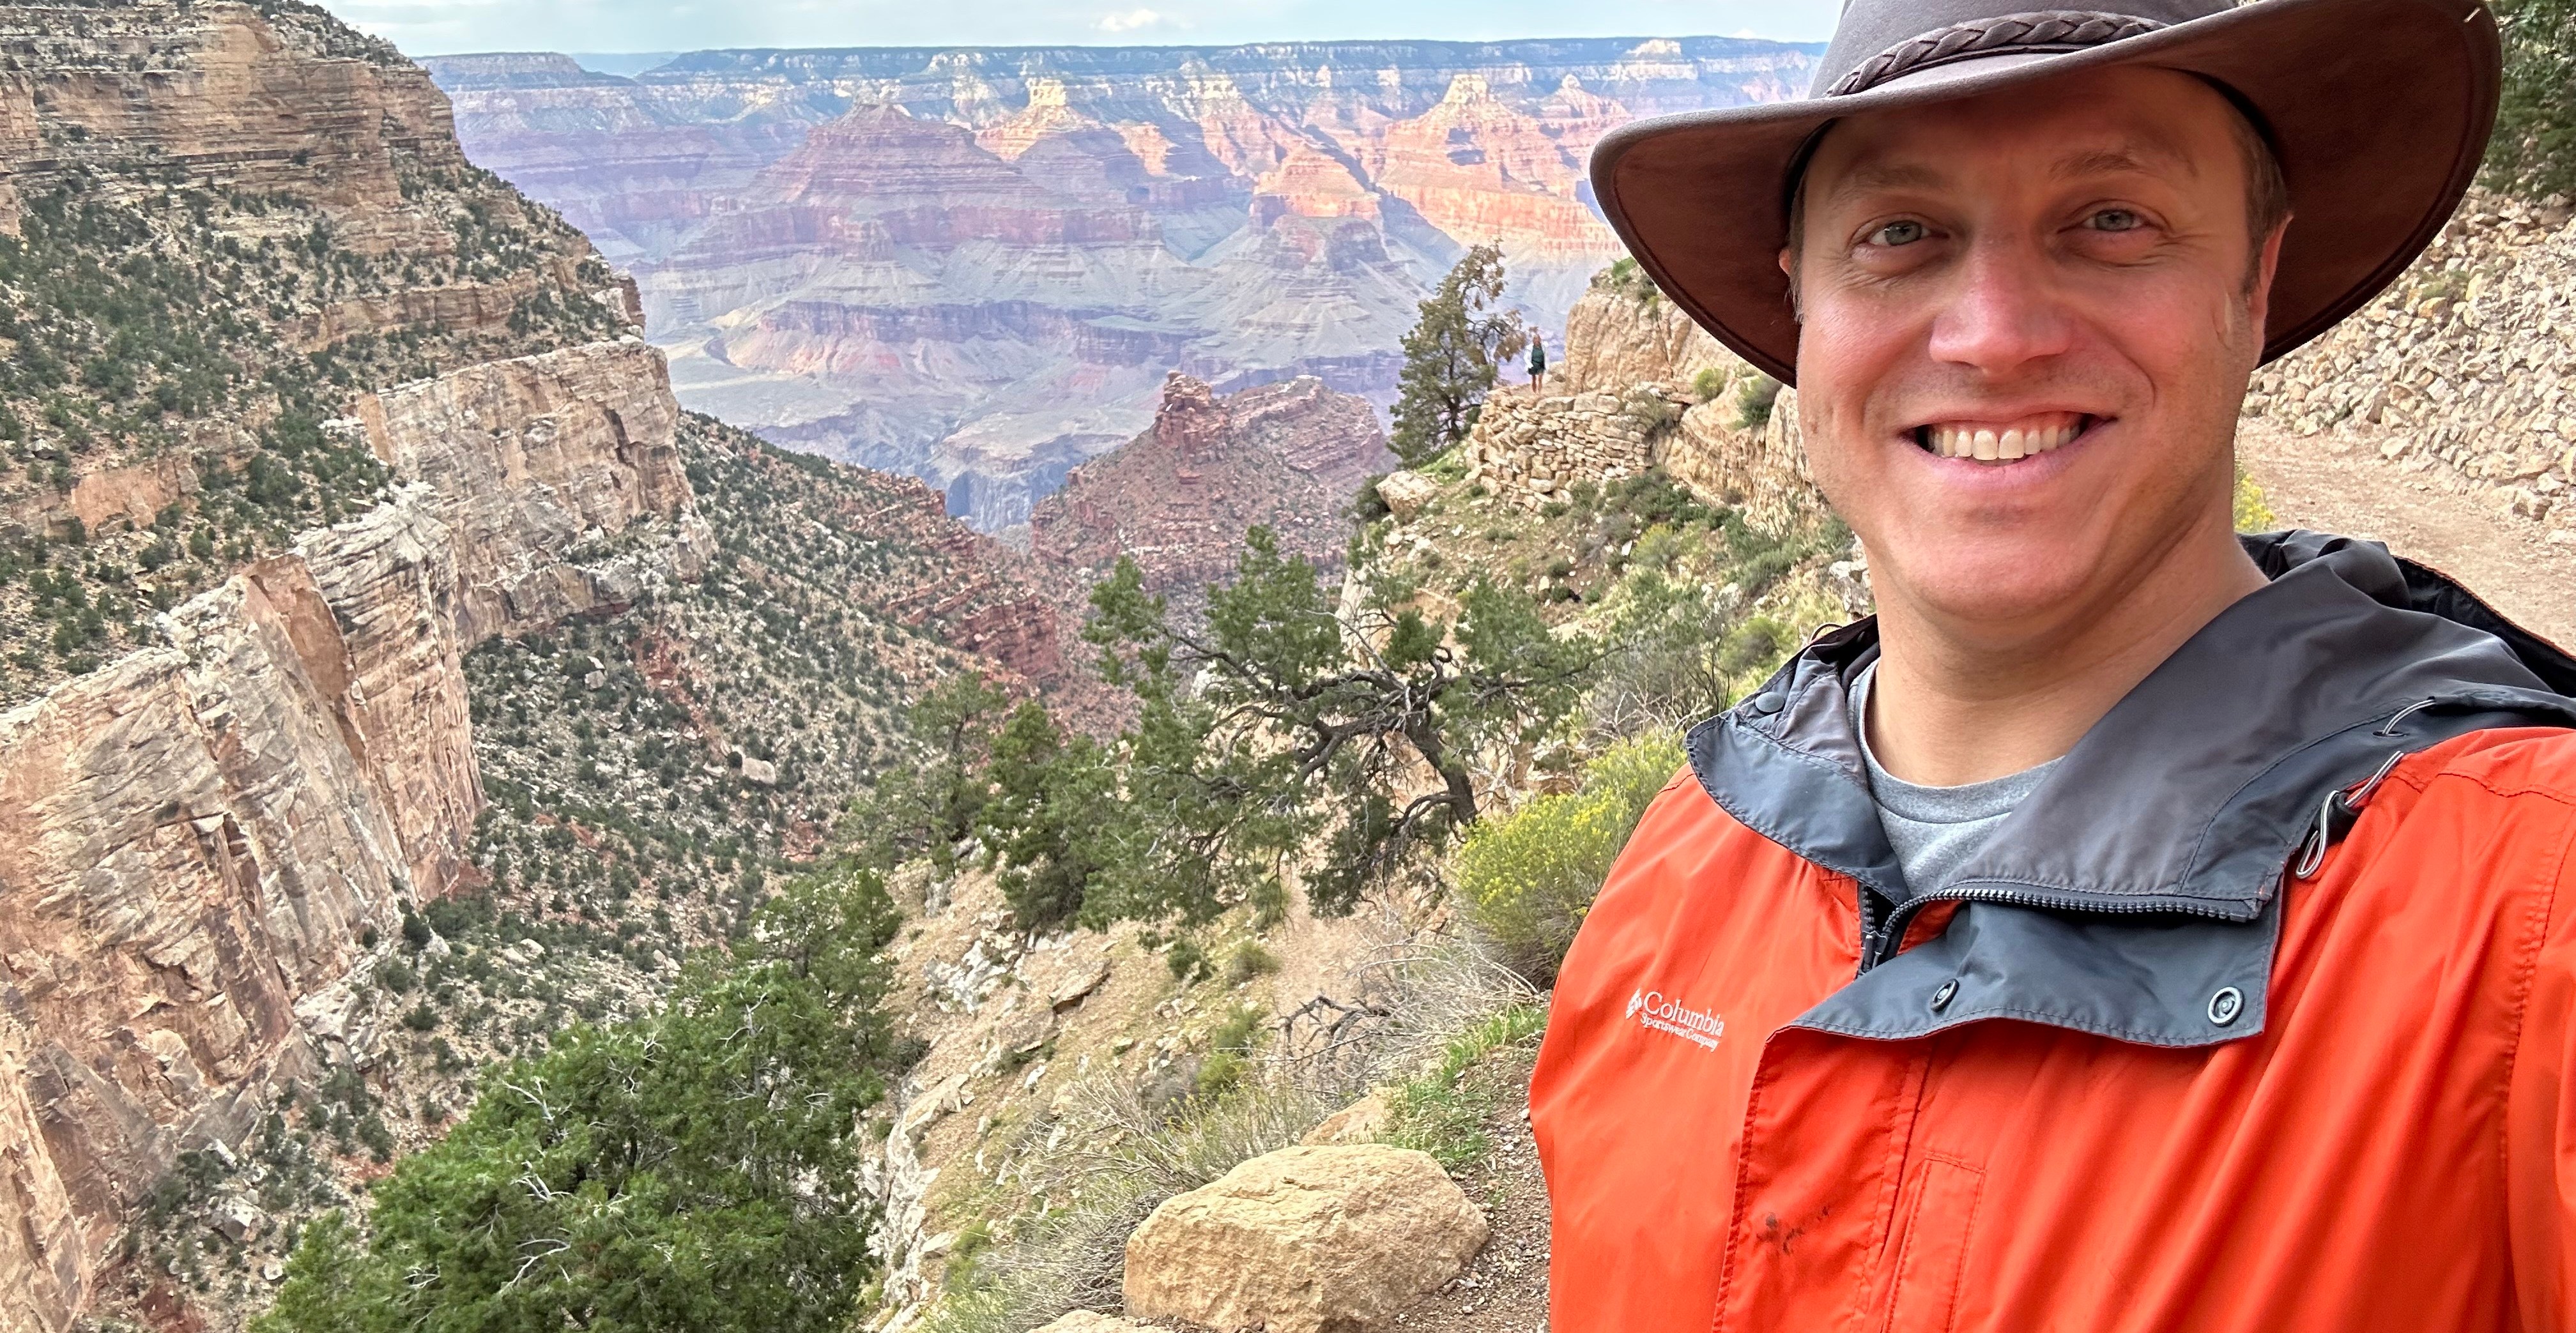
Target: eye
2114	219
1895	233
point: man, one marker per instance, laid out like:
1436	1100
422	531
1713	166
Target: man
2133	927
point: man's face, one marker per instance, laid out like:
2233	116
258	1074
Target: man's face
2063	272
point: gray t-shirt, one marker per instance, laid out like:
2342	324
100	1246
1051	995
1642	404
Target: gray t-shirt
1936	829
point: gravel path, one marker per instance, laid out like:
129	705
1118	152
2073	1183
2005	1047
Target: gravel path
2337	482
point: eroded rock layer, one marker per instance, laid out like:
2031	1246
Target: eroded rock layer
1179	497
976	266
199	841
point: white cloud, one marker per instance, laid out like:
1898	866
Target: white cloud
1130	20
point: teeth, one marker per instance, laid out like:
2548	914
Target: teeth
2021	439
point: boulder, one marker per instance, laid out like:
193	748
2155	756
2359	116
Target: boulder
1406	494
1304	1240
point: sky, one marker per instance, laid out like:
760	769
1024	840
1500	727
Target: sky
444	27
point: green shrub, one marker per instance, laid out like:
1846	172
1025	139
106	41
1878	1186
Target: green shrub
1187	960
1249	960
1529	877
1753	401
1708	384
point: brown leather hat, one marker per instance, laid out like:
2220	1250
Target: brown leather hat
2378	109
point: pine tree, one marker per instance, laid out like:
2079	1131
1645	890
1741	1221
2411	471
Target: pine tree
1452	356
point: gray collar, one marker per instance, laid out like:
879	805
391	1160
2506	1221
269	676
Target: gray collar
2135	894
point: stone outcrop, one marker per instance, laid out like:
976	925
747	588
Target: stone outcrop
1305	1240
1179	497
1623	332
193	840
975	266
1639	386
2463	368
528	461
1760	470
198	841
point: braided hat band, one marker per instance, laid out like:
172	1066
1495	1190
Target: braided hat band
2051	30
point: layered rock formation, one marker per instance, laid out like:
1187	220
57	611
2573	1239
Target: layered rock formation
198	838
227	216
976	266
1179	497
526	460
1623	332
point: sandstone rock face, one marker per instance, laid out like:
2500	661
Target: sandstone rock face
527	460
1623	332
976	266
1305	1240
1761	470
1180	496
193	840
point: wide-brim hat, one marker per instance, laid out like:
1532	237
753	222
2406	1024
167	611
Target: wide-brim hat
2378	110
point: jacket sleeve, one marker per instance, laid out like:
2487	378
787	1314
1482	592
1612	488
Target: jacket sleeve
2540	1114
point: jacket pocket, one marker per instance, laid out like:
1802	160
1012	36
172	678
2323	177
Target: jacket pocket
1932	1253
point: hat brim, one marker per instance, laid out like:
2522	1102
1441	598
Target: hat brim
2378	109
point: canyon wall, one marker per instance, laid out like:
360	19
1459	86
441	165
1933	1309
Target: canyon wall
529	460
976	266
200	839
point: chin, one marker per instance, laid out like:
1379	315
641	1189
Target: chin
1998	580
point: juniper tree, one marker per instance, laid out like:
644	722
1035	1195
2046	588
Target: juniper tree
1453	354
1281	727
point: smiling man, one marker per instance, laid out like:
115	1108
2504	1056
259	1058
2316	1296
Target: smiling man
2134	926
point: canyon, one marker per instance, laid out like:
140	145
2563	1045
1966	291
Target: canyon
977	265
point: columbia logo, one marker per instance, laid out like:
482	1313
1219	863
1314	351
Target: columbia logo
1672	1018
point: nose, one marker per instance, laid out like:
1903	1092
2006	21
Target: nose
2002	313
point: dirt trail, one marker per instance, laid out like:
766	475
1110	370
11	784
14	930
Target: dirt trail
2337	482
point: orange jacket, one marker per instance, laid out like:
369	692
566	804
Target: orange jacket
2106	1078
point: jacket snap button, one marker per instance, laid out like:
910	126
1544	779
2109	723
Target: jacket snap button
1765	704
1941	997
2226	1005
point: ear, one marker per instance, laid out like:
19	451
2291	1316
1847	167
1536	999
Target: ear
2266	264
1789	270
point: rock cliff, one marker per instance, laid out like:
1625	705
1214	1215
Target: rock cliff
227	217
527	460
199	837
976	266
1179	497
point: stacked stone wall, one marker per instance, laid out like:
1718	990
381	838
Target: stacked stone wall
2465	368
1529	450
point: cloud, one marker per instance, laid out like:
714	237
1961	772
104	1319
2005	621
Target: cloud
1130	20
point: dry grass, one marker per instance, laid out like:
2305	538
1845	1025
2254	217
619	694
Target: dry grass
1119	1154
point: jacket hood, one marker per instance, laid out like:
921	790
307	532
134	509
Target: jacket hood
2139	883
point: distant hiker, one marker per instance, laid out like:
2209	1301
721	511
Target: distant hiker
1538	365
2132	927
